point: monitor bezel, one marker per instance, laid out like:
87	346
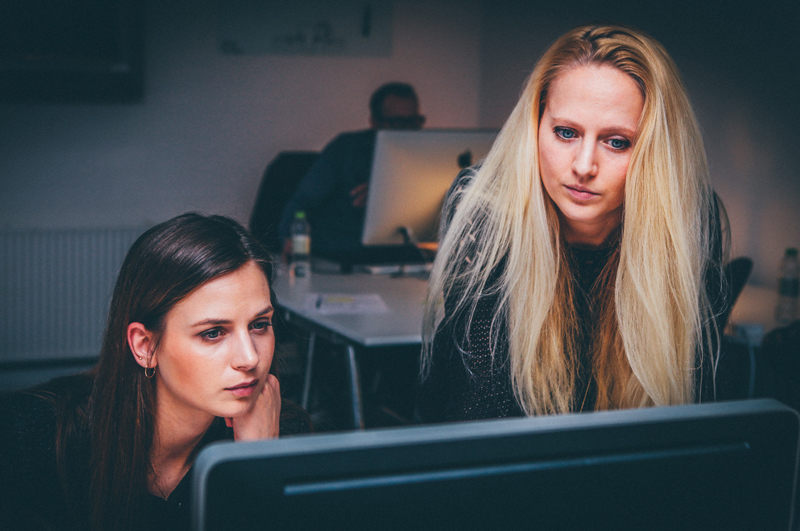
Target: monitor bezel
589	434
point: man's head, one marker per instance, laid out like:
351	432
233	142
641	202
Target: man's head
395	106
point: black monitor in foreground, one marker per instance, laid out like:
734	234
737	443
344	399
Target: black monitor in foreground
712	467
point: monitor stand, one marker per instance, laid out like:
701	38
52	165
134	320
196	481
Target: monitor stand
408	258
412	245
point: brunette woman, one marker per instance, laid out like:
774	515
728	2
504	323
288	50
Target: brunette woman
185	361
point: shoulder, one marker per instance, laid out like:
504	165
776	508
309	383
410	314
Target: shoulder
353	140
28	419
27	424
454	194
30	423
464	179
43	402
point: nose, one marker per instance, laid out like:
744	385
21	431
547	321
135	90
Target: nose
585	162
245	357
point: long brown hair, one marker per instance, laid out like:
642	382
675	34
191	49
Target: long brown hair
166	264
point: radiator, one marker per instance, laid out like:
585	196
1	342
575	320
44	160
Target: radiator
55	288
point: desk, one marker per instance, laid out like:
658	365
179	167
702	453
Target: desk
400	325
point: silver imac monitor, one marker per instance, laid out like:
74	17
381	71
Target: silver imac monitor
411	172
723	466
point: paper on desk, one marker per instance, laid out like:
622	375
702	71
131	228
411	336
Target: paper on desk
345	304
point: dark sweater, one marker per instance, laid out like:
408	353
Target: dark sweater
32	493
470	380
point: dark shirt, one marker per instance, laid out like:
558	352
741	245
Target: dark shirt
324	193
470	377
35	496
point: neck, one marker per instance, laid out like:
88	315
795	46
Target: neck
585	235
174	442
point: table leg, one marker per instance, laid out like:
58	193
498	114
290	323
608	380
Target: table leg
309	360
355	388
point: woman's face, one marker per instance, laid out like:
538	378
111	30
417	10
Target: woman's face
586	137
216	349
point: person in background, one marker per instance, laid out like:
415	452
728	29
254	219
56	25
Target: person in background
581	266
334	192
187	359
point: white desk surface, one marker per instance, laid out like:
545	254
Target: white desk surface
400	325
405	296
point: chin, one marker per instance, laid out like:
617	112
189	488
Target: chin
234	410
580	217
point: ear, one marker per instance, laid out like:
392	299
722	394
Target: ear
141	342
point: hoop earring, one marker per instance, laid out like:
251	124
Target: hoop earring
149	374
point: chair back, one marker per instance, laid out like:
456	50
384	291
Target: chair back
737	271
277	187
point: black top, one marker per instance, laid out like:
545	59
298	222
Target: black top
31	492
479	387
470	378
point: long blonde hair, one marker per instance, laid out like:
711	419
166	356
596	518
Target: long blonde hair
654	311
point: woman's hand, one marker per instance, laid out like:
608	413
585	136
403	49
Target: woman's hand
262	421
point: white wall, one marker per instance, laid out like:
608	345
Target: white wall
211	122
740	66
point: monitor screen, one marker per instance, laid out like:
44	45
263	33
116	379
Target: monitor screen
711	466
411	172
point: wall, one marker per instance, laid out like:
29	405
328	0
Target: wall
739	63
211	122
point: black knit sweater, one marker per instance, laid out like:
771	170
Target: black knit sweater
470	380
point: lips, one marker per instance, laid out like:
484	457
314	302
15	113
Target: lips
579	192
244	388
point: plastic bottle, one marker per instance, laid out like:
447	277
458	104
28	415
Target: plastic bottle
300	231
788	288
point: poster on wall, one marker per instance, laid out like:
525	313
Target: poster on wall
305	27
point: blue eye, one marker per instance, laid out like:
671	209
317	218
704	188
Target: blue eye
566	134
212	334
619	143
261	325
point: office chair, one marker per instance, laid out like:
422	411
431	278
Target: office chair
277	187
737	271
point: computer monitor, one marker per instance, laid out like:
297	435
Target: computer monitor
712	467
411	172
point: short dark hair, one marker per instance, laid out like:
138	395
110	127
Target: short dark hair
401	90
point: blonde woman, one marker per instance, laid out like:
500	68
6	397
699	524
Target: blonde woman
579	266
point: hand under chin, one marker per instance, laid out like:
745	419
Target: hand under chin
262	419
